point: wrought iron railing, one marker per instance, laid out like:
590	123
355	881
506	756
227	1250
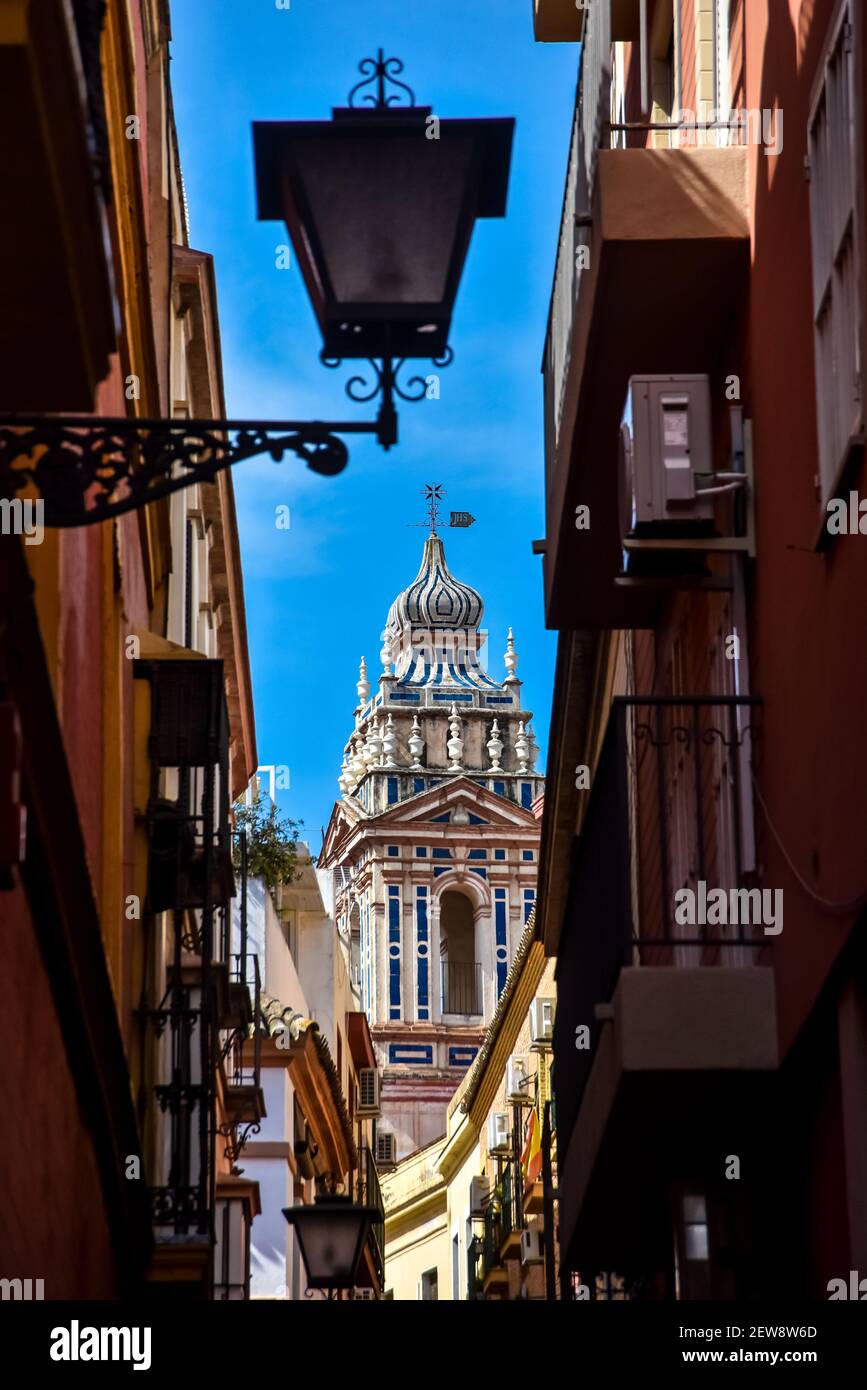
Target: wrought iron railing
590	128
492	1238
595	127
241	1055
475	1268
512	1212
188	830
369	1193
670	815
461	987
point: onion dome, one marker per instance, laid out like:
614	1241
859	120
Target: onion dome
432	631
435	599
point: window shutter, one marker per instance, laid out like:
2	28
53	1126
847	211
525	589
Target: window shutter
833	221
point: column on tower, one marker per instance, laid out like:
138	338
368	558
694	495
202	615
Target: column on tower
422	954
395	953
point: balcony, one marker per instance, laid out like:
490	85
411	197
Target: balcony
461	987
558	21
369	1193
511	1211
241	1056
181	793
475	1268
494	1274
662	1024
652	255
58	326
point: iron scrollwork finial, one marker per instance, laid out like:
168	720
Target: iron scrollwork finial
385	379
380	70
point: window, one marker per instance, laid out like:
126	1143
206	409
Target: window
386	1148
835	237
460	975
429	1285
695	1242
692	1263
290	924
393	851
392	790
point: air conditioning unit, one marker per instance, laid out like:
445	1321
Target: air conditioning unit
480	1196
519	1086
532	1249
542	1022
386	1150
368	1092
499	1132
665	444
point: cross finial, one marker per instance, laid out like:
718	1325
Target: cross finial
433	494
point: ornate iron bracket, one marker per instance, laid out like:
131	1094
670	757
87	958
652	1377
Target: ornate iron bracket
385	381
86	469
236	1133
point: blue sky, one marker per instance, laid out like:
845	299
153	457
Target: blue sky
318	593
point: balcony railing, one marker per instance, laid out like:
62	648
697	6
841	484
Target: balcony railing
475	1268
190	879
671	809
512	1188
594	128
492	1238
590	127
461	987
369	1193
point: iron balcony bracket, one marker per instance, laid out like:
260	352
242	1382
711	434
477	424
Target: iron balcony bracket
86	469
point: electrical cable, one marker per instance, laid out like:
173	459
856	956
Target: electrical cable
844	908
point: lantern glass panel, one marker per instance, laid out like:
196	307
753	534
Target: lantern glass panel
387	213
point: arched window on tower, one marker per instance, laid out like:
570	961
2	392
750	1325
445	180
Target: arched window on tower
460	972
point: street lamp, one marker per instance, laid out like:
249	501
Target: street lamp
331	1233
380	204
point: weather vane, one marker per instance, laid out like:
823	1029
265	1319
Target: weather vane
433	495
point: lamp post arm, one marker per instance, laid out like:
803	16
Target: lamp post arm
86	469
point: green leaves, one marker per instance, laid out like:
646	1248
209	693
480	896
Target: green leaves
272	843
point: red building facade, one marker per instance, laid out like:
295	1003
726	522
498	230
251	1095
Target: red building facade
707	332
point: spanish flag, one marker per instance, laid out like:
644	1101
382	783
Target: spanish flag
531	1158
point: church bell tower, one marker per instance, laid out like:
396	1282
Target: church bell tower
433	844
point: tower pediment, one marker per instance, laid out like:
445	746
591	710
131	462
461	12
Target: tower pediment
479	807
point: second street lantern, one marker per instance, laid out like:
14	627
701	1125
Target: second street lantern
380	204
